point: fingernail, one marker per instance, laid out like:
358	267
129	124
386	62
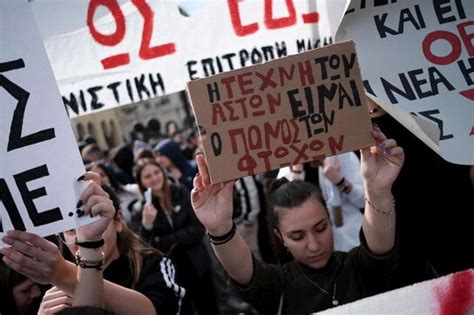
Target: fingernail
7	240
10	233
381	145
80	213
79	204
376	127
387	151
81	178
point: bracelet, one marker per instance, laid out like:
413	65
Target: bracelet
345	188
387	212
339	183
93	244
219	240
90	263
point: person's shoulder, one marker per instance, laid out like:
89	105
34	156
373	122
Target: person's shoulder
151	256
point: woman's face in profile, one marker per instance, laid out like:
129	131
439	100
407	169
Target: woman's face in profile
307	233
152	177
25	294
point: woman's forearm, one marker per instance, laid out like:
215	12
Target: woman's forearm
236	258
89	290
379	222
121	300
117	299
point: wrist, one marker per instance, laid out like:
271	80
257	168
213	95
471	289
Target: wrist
220	230
147	226
340	181
90	253
65	276
223	239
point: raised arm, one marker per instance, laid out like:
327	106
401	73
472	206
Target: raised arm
380	166
41	260
212	204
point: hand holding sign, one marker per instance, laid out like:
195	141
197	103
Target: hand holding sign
41	260
212	202
96	202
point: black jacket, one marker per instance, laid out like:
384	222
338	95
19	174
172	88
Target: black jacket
182	238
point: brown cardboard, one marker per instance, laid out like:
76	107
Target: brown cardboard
260	118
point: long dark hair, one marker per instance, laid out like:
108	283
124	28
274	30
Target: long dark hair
129	244
8	280
283	195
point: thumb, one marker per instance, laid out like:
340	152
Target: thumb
228	188
365	154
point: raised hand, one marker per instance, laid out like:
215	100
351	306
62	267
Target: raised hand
54	301
96	202
33	256
149	214
212	203
332	170
381	164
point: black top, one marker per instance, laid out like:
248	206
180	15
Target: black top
357	274
156	281
181	235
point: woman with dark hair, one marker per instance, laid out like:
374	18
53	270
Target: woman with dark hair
169	224
20	295
317	277
138	280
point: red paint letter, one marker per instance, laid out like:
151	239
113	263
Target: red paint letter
272	23
451	38
239	29
147	52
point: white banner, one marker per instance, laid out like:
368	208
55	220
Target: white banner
419	57
451	294
39	159
144	49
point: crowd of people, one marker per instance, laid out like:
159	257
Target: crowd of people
293	241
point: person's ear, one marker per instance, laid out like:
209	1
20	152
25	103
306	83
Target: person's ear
279	236
118	222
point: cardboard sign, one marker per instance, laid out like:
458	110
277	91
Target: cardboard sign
288	111
145	49
39	158
418	56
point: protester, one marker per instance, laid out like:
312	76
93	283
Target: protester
139	280
20	295
317	278
169	155
340	181
122	158
343	190
169	224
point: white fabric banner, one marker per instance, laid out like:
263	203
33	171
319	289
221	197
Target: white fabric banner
144	49
452	294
